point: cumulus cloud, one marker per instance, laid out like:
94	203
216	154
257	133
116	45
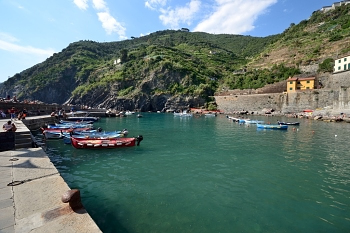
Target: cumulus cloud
173	17
99	4
234	16
81	4
154	4
111	25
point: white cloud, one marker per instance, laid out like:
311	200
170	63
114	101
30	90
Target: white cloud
153	4
173	17
81	4
234	16
99	4
111	25
11	47
7	37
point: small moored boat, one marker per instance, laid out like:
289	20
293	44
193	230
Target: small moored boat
82	118
267	126
288	123
253	122
94	135
86	143
59	133
183	114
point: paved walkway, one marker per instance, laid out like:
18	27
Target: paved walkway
35	204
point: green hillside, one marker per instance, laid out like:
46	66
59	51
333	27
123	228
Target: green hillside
149	71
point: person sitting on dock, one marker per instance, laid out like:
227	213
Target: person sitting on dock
14	128
7	127
3	115
20	116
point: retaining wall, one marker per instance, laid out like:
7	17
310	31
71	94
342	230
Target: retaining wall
336	97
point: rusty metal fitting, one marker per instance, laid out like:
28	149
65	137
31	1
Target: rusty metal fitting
73	198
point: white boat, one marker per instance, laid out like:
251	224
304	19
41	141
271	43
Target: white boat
183	114
253	122
210	114
129	112
53	135
232	118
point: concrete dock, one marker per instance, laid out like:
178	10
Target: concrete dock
33	195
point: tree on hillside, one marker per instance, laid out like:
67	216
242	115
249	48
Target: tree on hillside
123	55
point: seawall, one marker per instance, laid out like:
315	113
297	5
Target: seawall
336	97
33	195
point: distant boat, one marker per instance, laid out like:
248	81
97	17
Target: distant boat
139	116
253	122
183	114
267	126
129	113
288	123
308	110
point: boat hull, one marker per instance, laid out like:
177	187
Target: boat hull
82	143
288	123
93	119
264	126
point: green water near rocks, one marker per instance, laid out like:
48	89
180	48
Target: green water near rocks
204	174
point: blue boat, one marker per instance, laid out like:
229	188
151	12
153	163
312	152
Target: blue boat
82	118
267	126
69	126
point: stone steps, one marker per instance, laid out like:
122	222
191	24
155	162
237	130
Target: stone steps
23	140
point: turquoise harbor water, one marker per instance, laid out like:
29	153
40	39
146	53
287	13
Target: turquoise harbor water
205	174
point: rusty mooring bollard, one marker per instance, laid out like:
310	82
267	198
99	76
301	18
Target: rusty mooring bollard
73	198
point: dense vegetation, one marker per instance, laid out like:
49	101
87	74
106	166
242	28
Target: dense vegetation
178	62
325	35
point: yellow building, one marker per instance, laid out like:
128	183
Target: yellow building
300	84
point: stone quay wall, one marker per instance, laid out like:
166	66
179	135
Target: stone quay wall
337	97
31	108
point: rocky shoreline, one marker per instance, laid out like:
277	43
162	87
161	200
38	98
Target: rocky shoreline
326	115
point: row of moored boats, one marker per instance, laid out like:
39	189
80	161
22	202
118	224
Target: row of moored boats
81	133
262	125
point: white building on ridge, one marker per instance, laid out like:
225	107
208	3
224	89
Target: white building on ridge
342	64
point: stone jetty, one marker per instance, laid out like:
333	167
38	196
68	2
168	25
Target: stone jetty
33	195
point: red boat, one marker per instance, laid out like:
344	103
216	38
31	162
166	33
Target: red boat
86	143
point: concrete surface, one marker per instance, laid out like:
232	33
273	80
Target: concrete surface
35	204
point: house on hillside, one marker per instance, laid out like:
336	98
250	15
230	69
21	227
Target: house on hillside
341	3
299	84
334	5
326	8
342	64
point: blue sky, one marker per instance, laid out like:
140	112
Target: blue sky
32	30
